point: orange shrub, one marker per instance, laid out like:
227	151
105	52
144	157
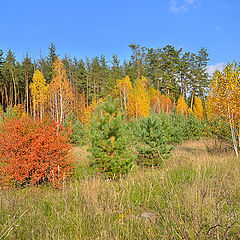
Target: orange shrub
33	153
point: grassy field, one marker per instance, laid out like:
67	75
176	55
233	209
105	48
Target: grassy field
196	195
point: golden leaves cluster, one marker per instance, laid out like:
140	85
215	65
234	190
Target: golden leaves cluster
182	106
198	108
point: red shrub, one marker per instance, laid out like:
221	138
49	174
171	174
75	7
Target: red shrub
33	153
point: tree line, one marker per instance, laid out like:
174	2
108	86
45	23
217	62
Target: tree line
168	70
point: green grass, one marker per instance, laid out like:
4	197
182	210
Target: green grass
196	195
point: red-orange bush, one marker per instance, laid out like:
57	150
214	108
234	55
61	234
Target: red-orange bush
33	153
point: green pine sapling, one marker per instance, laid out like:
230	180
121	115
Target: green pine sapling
109	149
153	141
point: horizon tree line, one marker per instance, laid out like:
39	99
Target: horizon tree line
169	70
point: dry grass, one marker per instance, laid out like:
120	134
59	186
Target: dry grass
196	195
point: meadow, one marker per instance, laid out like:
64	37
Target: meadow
88	152
194	195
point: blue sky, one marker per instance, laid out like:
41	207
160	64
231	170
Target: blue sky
92	27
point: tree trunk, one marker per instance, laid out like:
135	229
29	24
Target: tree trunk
14	86
87	91
41	112
34	109
6	94
193	93
26	91
232	127
61	106
2	97
184	86
94	88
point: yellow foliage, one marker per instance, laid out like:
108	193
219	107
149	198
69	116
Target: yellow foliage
39	91
159	102
61	94
225	90
226	93
190	111
139	102
210	107
198	108
182	107
39	88
87	111
122	90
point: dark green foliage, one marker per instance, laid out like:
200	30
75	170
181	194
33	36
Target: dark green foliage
178	133
79	132
109	149
115	72
184	127
1	62
194	127
153	135
52	56
52	53
173	128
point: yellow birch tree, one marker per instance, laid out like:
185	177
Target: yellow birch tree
226	94
123	89
139	101
61	94
39	91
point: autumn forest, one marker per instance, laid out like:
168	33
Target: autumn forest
164	72
140	148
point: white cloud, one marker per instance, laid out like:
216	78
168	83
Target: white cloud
212	68
180	6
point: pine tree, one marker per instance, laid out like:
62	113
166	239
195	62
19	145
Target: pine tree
115	72
200	79
170	58
110	150
185	72
152	66
52	56
153	138
1	77
1	62
97	75
137	59
28	75
10	78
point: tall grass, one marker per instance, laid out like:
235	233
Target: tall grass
196	195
